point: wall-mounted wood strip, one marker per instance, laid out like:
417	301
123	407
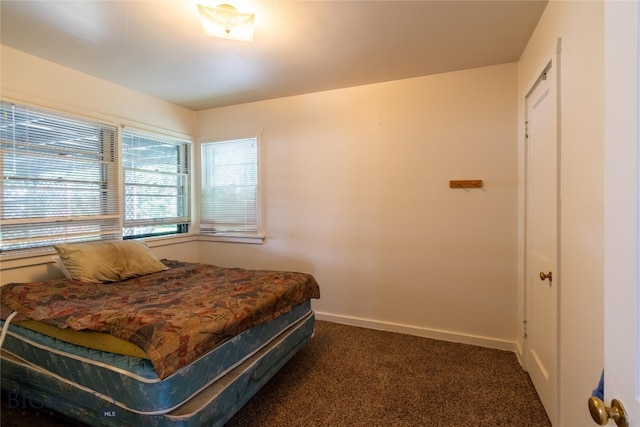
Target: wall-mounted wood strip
469	183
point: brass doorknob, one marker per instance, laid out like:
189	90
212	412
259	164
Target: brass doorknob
601	414
546	276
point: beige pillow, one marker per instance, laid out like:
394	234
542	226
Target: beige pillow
108	261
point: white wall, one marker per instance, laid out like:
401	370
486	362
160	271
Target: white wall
580	25
356	191
34	81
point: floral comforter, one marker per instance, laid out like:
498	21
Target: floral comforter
175	316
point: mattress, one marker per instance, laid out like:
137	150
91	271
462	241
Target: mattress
130	384
175	315
212	406
95	340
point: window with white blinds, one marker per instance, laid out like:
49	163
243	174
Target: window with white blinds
59	179
230	187
156	179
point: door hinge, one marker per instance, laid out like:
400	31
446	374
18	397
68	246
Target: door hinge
526	130
524	324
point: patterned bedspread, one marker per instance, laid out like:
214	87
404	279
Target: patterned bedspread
175	316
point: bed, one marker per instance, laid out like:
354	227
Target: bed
127	339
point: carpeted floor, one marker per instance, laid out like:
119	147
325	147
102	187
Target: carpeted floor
348	376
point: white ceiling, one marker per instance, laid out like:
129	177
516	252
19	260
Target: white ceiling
158	47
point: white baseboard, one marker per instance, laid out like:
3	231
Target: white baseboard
421	332
519	353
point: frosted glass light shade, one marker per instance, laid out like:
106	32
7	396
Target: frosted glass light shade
227	22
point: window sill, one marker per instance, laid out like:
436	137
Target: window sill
252	239
26	259
169	239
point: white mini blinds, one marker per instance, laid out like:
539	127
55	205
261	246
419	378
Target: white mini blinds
156	179
230	196
59	178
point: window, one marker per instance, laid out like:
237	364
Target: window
59	179
230	202
156	178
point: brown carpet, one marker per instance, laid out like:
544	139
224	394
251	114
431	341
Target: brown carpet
348	376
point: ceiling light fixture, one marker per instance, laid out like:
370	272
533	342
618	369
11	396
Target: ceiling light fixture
227	22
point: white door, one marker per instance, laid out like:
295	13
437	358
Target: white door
622	209
541	356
